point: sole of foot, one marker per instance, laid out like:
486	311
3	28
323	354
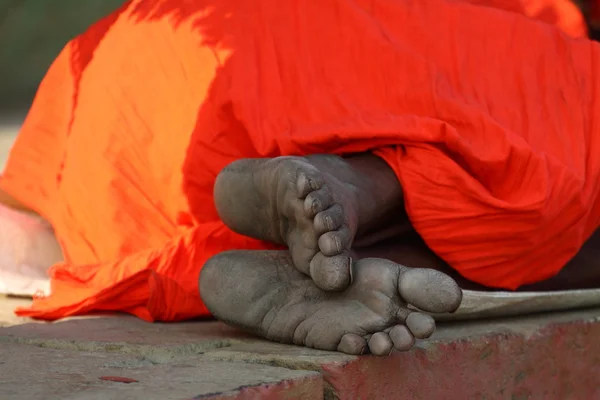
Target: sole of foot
263	293
287	200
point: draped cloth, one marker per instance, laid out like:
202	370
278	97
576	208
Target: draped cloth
486	117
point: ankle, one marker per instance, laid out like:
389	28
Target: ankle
377	190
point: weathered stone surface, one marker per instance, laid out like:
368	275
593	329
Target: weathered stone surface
124	334
32	372
279	355
126	329
553	356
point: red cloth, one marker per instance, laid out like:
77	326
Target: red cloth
486	117
564	14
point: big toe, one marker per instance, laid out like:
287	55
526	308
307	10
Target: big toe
331	273
429	290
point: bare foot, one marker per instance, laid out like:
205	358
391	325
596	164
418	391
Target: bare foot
287	200
262	292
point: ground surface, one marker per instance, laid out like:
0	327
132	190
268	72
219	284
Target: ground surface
552	356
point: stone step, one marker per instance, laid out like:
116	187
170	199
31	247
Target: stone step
544	356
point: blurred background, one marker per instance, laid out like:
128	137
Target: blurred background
32	33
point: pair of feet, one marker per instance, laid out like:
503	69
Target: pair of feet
315	295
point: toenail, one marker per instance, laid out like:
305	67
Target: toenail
312	184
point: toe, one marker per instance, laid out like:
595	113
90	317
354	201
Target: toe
335	242
309	179
420	325
317	201
402	338
329	220
429	290
331	273
302	247
380	344
352	344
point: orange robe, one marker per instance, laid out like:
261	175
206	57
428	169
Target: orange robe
486	117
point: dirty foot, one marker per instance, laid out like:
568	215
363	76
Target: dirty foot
262	292
288	200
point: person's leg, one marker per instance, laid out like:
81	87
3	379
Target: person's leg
581	272
317	205
262	292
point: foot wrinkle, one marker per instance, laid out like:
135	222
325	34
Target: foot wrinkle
295	190
265	294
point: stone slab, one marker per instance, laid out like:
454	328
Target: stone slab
124	334
549	356
34	372
554	355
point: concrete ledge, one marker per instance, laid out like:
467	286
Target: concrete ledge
34	372
549	356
